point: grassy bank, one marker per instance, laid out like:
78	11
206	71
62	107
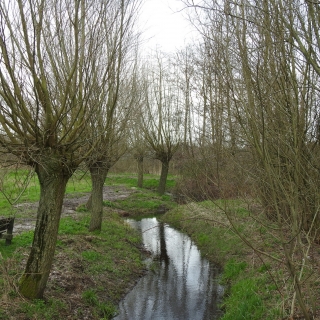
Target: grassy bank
140	201
91	271
251	293
90	274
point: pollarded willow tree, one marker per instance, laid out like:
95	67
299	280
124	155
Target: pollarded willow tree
46	70
114	93
161	122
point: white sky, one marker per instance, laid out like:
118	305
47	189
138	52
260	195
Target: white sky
164	26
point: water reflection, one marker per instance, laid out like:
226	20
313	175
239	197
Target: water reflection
184	286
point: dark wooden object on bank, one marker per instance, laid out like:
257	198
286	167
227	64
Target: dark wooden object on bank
6	228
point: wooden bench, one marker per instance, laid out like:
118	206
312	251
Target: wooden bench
6	228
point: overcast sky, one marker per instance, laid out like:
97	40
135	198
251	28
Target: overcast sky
164	25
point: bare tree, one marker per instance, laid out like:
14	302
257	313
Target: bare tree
162	115
114	98
214	155
271	73
47	49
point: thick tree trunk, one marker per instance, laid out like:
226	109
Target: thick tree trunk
98	176
163	177
140	171
52	189
89	202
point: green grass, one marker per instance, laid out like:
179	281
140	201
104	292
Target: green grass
48	310
15	190
16	187
150	181
80	182
248	295
244	301
143	202
71	226
104	310
233	268
110	258
23	240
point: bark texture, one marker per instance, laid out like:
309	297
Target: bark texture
163	177
98	173
140	172
53	180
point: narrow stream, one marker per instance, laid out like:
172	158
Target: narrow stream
180	285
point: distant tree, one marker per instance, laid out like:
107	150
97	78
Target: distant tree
162	115
138	144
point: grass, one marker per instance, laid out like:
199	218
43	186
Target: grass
22	185
104	310
46	310
251	295
21	241
14	190
90	271
70	226
142	202
150	181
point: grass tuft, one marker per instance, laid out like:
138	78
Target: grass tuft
143	202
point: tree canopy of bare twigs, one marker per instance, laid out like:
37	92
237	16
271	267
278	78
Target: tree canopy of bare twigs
161	122
269	66
115	92
47	71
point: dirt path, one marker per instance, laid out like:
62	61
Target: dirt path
26	212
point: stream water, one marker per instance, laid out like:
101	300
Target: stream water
180	284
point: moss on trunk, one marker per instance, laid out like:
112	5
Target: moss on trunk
53	179
140	172
98	176
163	177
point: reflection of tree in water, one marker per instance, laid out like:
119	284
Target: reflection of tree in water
183	288
163	246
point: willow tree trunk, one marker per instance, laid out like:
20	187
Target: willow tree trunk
98	176
53	180
163	177
140	171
